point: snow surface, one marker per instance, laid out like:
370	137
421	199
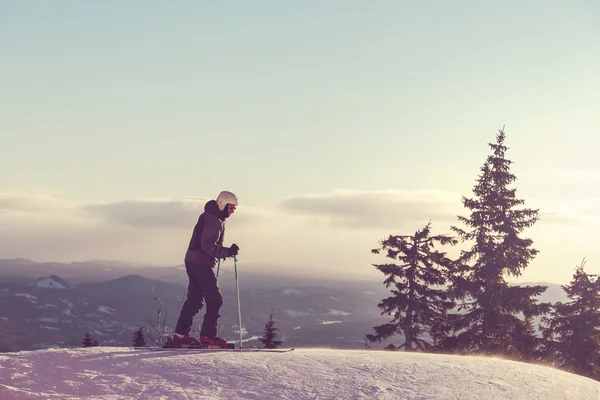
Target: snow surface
338	312
296	313
52	328
27	296
49	283
106	309
123	373
48	319
292	291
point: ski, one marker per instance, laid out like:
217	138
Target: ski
228	346
215	348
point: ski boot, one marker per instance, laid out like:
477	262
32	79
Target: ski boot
215	342
181	341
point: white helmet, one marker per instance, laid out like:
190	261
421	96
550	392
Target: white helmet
225	198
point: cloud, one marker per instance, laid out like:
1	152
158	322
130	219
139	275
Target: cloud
568	213
50	228
324	233
408	209
179	213
30	203
46	227
164	213
377	209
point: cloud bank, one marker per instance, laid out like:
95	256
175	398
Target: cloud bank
332	231
162	214
389	209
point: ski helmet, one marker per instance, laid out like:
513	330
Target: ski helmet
225	198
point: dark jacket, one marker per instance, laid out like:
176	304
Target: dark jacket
206	244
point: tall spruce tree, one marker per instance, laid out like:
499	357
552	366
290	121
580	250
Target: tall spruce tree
572	330
416	303
488	307
270	333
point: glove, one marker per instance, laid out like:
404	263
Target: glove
233	250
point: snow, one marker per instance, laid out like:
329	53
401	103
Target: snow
49	283
27	296
237	330
338	312
249	339
106	310
292	291
48	319
112	373
296	313
52	328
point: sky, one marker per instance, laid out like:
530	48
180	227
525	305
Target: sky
336	123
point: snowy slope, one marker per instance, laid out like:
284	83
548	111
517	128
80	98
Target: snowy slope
121	373
52	282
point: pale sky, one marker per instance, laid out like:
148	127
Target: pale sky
336	123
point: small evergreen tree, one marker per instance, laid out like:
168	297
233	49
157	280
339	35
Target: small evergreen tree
138	338
490	323
88	341
572	330
270	333
416	304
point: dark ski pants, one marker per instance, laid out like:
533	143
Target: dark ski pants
202	287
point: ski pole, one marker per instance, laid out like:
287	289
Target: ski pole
218	266
237	288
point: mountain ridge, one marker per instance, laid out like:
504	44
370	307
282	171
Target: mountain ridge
112	305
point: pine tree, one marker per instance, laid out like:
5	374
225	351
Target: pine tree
416	304
270	333
88	341
138	338
490	322
572	330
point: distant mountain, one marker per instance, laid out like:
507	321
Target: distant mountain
54	304
15	262
553	294
53	282
110	263
51	311
22	270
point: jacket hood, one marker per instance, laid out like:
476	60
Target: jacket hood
211	207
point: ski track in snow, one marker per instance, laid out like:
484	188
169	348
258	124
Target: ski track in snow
111	373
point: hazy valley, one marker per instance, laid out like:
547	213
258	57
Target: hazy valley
53	305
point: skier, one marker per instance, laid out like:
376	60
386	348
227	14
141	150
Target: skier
205	247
